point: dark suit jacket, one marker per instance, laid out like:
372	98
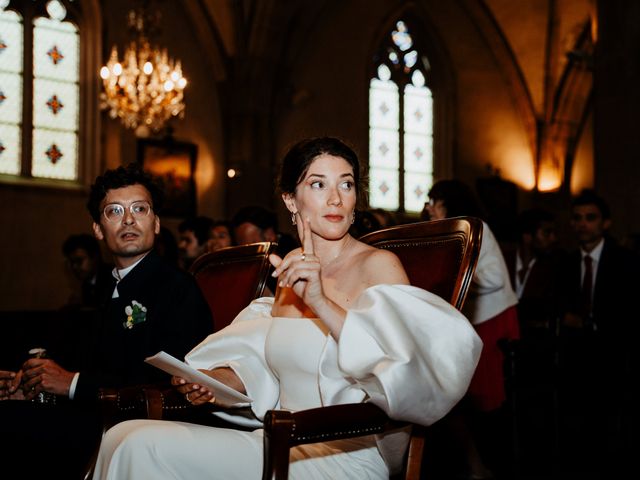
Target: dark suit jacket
616	287
177	319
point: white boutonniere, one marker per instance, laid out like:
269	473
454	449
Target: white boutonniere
136	313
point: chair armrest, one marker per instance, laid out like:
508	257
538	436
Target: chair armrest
119	404
283	430
330	423
125	403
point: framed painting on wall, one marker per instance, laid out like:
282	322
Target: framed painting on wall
174	164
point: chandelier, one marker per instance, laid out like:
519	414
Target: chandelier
145	89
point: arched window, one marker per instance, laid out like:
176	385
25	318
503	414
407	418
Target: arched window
39	91
400	124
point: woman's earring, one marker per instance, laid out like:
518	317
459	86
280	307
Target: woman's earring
293	218
353	217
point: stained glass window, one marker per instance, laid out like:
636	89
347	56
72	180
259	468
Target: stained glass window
400	125
51	80
10	92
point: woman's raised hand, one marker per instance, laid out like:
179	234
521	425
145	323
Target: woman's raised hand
300	270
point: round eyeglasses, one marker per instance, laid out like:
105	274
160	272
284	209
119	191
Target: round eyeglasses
114	212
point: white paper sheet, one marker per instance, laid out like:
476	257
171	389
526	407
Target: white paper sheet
224	394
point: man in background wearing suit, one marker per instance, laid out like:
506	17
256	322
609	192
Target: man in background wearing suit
599	334
150	306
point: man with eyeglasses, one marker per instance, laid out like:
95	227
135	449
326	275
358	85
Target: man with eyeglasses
151	306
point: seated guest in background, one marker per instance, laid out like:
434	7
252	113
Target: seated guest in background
151	307
534	269
491	308
257	224
363	222
323	340
385	217
166	246
193	237
254	224
221	236
83	256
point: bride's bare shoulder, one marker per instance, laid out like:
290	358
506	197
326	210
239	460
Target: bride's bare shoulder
381	266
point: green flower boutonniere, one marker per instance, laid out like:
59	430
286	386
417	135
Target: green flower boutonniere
136	313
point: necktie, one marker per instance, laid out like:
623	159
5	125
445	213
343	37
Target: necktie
587	285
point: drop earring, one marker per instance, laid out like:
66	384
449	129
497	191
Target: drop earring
293	218
353	217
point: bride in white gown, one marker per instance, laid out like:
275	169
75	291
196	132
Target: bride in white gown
344	327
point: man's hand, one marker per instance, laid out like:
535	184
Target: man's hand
9	383
45	375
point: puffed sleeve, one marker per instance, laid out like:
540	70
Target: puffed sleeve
407	350
241	346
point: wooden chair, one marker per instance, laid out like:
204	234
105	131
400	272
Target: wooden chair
439	256
230	278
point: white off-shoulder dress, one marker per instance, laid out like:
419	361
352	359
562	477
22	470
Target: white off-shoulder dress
402	348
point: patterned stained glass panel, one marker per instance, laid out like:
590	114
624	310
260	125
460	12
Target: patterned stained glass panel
383	148
383	188
10	141
400	148
55	154
383	104
416	186
55	50
11	53
55	99
418	110
55	105
10	42
418	153
11	98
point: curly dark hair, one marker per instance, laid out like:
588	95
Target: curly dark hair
131	174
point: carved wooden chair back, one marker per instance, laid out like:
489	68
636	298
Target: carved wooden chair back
230	278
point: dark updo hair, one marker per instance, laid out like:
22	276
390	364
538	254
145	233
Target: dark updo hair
121	177
299	158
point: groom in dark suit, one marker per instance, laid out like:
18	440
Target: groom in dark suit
150	307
